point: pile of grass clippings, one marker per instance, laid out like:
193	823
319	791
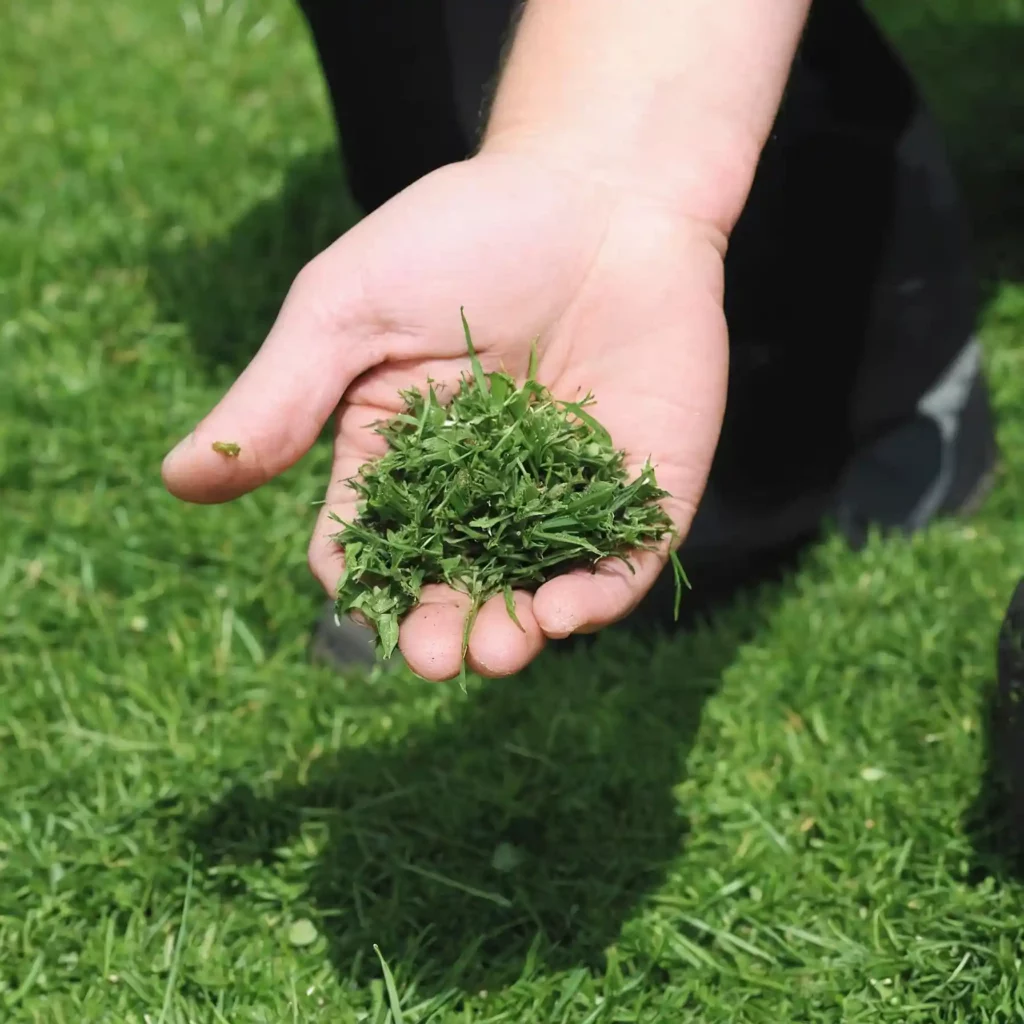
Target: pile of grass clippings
500	489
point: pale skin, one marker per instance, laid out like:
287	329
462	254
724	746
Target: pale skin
595	217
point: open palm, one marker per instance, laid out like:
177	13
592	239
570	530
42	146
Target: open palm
624	297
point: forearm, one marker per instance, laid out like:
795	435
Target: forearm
673	99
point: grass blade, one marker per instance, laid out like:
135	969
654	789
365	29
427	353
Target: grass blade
479	377
172	977
389	983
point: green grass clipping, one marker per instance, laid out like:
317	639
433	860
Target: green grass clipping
498	490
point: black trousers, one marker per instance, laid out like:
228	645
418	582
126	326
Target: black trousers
848	285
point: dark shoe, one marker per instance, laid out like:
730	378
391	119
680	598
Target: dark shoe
939	462
342	642
1007	725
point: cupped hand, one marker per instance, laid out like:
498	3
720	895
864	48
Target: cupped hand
625	297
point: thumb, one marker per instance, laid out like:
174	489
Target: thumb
276	408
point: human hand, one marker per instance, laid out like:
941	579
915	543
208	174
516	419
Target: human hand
625	297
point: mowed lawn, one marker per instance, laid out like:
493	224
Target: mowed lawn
777	818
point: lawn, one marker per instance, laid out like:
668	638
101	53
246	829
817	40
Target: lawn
773	818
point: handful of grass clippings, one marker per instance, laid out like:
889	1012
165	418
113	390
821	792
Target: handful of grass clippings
500	490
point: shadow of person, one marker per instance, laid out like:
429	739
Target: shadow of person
517	830
228	291
524	825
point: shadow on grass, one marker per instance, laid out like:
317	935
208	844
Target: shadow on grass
995	822
519	832
567	772
227	291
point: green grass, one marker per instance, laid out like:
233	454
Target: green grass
768	820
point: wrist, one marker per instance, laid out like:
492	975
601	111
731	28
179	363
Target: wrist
672	101
704	174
